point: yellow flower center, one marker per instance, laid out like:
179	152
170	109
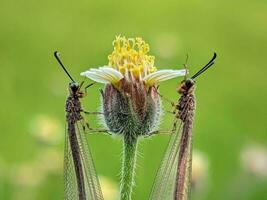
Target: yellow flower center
130	57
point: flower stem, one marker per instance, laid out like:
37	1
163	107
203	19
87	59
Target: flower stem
128	168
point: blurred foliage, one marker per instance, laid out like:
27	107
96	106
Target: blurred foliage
231	97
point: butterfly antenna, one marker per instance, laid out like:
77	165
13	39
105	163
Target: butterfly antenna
207	66
56	54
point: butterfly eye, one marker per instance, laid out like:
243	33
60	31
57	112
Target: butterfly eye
74	86
189	83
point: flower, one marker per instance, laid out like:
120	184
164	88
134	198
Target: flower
130	100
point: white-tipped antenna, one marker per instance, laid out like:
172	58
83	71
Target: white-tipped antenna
56	54
207	66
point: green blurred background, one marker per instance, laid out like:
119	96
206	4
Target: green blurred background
230	128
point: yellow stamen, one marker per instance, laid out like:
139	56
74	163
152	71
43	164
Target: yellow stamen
131	54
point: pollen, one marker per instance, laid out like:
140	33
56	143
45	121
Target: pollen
130	57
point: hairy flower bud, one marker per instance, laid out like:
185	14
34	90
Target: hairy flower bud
131	108
131	104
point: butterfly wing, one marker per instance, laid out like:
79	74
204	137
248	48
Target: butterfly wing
93	189
173	176
70	181
90	179
163	187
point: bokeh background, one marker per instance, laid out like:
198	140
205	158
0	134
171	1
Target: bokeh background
230	131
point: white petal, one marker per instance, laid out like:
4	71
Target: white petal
103	74
114	75
113	71
157	74
163	75
95	72
165	72
95	77
166	77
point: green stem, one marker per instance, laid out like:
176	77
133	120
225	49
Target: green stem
128	167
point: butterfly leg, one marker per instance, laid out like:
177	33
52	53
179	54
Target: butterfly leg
86	126
173	104
159	132
86	87
91	113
